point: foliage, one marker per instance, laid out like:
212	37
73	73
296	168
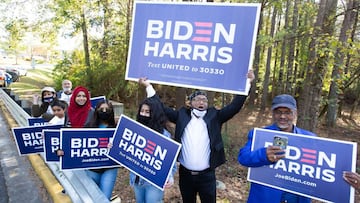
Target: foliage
299	48
108	63
16	32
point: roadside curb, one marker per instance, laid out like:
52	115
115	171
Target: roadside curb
50	182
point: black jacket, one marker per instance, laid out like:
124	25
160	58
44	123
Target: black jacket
214	119
38	110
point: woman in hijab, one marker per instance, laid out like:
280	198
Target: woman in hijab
80	110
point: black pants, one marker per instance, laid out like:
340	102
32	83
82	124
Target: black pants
203	183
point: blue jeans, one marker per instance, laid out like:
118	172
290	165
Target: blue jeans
147	194
105	180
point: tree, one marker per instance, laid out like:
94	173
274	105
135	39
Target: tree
256	64
333	96
310	96
16	32
73	12
291	73
268	61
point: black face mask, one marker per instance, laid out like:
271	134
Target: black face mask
103	115
48	99
144	119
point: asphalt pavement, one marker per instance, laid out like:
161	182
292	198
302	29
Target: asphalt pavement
18	181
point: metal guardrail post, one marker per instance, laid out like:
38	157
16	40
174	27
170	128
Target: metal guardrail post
77	184
118	109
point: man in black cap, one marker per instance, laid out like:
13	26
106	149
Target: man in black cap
198	129
284	114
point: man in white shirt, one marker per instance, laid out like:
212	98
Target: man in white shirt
198	129
65	93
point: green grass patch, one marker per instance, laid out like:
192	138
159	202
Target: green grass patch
33	82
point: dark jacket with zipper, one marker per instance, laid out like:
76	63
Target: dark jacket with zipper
214	118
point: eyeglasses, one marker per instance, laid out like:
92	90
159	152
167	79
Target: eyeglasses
286	113
205	100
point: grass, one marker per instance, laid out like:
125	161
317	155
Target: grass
33	82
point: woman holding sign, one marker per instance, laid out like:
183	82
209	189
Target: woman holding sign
103	117
150	114
80	110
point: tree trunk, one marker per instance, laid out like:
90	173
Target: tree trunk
106	23
86	49
268	63
256	62
338	66
180	97
353	32
356	102
290	76
281	82
309	100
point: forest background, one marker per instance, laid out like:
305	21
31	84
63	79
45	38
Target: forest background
309	49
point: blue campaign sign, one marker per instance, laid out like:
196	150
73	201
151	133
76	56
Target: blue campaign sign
180	44
95	100
37	122
51	145
144	151
29	139
313	166
86	148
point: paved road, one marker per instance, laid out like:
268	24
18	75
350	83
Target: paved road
3	191
18	181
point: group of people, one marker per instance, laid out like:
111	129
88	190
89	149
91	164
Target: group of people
198	129
52	105
72	108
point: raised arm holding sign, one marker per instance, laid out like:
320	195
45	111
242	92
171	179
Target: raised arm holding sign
195	127
180	44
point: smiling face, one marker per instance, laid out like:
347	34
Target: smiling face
284	118
81	98
199	102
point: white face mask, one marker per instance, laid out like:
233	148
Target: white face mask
199	113
67	89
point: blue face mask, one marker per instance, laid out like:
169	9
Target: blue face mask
48	99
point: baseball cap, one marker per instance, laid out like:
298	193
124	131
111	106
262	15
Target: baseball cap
284	100
196	93
49	89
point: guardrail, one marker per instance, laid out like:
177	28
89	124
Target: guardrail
76	183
